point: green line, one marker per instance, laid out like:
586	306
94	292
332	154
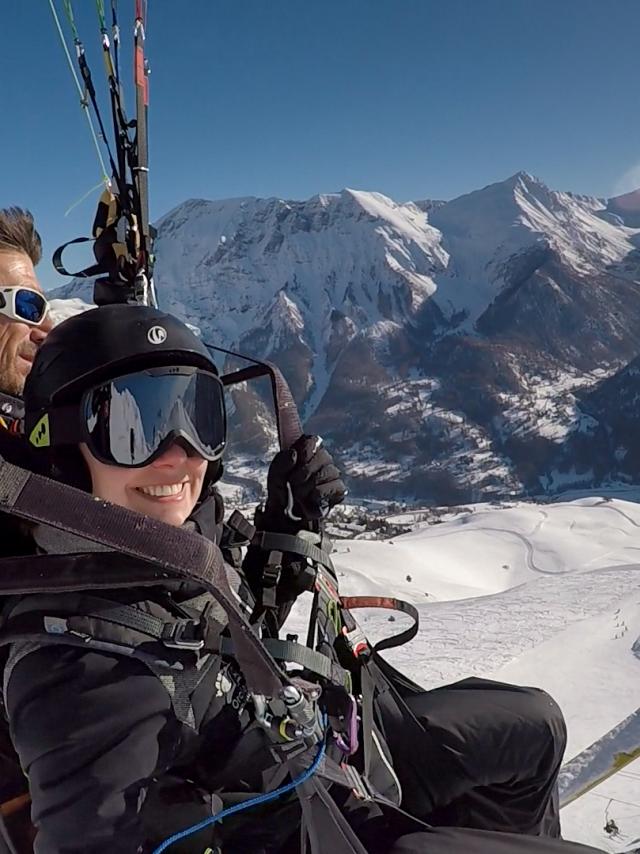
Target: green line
83	102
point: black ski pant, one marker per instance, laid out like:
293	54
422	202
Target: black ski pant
490	758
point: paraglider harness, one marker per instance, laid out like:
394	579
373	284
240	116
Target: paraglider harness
325	722
311	718
11	413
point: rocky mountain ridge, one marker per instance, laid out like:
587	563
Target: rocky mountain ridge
445	350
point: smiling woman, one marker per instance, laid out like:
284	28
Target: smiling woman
138	418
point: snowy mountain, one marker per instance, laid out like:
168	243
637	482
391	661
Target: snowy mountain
441	347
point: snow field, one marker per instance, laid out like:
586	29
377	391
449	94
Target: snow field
545	595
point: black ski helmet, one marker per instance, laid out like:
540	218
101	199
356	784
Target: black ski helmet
98	345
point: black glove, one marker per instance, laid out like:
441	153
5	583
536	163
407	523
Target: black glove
303	484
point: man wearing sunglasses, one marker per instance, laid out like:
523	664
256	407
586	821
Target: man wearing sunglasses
24	317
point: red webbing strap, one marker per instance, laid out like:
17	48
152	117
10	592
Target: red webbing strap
351	603
178	552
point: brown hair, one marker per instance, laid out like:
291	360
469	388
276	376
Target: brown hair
18	232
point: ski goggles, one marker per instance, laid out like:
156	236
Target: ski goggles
130	421
25	305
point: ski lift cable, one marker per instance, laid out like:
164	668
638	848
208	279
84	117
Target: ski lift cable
83	103
615	800
630	775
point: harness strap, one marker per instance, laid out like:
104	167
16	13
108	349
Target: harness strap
99	625
270	577
348	777
316	561
68	573
175	551
326	622
326	826
11	411
351	603
269	541
297	653
377	764
241	526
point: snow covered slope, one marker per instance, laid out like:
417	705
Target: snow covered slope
491	550
545	595
441	347
487	230
224	262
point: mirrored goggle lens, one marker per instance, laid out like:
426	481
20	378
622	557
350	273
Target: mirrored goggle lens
128	419
30	305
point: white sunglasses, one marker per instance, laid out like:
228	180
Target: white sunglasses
25	305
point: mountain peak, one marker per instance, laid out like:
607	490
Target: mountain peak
523	179
501	198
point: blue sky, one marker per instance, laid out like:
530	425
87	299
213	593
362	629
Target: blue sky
413	98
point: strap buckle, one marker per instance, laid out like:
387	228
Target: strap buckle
271	574
242	527
285	751
173	635
359	784
357	642
270	577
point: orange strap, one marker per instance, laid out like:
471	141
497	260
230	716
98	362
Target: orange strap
13	806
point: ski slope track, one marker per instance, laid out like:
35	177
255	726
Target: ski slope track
447	350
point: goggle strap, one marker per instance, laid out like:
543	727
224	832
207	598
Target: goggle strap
58	425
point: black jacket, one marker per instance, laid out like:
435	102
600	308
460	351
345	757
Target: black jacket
14	538
105	739
119	755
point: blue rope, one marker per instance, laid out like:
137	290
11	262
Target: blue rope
245	805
